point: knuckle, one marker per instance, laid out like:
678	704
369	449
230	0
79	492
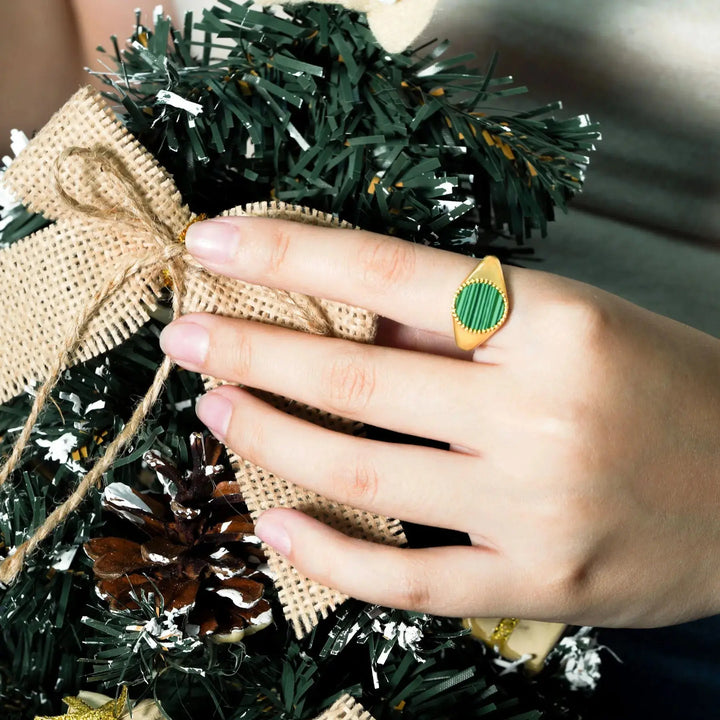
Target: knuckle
586	319
357	484
414	593
574	449
250	443
573	586
566	581
578	323
240	357
278	244
386	263
348	382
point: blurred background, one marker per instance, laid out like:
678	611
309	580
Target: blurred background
648	224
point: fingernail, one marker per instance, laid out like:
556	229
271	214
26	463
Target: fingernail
215	411
273	533
185	342
213	240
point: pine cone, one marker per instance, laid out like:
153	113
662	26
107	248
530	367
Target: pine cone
201	555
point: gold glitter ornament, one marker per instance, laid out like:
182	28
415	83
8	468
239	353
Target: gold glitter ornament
79	710
94	706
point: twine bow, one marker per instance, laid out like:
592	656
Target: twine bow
137	214
86	283
133	210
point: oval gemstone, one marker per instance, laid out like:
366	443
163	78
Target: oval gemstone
479	306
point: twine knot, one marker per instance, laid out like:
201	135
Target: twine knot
167	254
133	210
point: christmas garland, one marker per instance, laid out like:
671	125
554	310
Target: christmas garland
304	109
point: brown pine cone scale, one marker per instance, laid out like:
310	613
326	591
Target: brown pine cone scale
199	556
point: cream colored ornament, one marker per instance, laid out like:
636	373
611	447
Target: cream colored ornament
528	641
395	23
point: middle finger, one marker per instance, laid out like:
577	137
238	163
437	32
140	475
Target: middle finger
392	479
409	392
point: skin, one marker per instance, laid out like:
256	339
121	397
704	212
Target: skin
46	45
584	453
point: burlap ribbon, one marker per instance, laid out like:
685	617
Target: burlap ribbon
88	282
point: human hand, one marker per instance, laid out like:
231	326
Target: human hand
584	436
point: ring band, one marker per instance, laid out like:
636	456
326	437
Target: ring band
481	305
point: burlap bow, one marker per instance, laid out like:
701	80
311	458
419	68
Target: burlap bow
86	283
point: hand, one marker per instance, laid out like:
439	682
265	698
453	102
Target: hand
584	436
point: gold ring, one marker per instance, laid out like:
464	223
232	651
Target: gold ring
481	305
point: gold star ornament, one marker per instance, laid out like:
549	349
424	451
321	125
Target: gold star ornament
92	706
80	710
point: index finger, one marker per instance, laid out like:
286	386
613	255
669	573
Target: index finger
409	283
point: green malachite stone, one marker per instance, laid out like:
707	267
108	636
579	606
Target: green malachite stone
479	306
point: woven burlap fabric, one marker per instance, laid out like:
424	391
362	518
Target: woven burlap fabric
49	277
235	298
346	708
304	601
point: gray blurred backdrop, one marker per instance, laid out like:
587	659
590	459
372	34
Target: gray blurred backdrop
647	226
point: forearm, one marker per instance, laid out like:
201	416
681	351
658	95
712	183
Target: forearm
44	48
41	61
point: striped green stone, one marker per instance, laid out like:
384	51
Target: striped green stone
479	306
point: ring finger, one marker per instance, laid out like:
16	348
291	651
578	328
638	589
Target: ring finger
385	478
409	392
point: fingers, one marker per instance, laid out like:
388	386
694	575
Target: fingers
393	334
386	478
453	581
409	283
409	392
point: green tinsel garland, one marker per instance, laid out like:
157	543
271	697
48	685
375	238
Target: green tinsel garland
310	111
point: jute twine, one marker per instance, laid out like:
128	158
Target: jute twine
170	257
86	283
